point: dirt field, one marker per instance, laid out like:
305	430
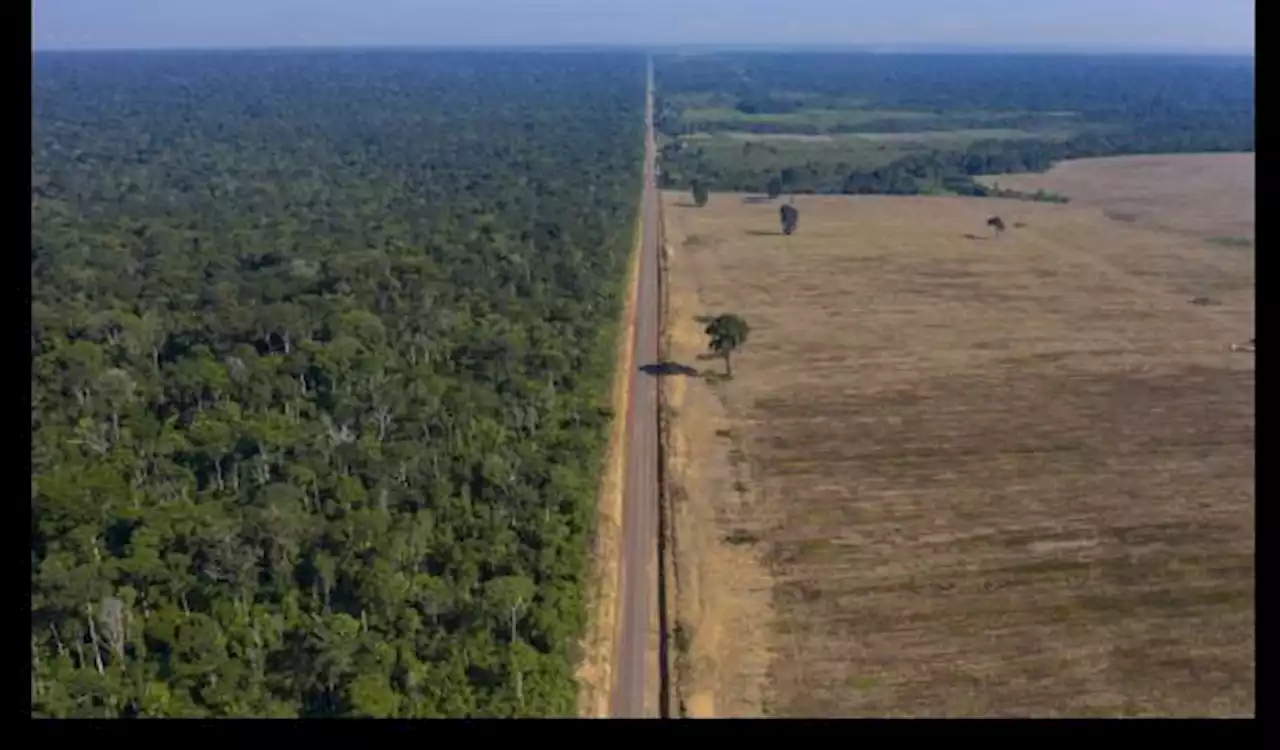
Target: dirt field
1209	196
960	475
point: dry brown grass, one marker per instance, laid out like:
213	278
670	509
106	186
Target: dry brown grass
984	476
595	671
722	593
1209	196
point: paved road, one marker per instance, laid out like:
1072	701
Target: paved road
637	593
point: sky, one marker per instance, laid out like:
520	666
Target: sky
1211	26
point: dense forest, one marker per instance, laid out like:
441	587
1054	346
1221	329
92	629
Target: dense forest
1114	105
321	345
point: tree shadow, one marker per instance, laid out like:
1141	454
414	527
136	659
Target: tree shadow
762	233
703	318
686	204
659	369
750	199
975	237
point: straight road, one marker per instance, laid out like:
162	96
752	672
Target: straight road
636	600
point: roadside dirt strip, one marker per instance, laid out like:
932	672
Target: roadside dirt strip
637	592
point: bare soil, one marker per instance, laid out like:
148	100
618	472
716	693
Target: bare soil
961	474
1210	196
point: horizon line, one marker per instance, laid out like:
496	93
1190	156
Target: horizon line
890	48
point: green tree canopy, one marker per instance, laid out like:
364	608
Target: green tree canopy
727	333
321	350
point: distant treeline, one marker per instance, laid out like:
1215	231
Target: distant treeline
1107	88
941	170
1117	106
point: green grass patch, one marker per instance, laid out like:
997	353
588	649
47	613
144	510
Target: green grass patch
844	151
821	119
715	112
863	684
1236	242
775	154
960	136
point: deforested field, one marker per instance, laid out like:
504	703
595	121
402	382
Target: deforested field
960	474
1201	195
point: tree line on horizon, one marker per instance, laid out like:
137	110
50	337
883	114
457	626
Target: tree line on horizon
1119	106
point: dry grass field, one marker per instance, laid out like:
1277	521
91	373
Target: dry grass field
1209	196
958	474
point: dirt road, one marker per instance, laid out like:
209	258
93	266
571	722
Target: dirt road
637	600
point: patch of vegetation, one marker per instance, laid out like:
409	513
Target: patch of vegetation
320	348
1039	196
681	638
1238	242
814	121
863	684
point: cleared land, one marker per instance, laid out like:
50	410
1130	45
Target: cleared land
1209	196
960	475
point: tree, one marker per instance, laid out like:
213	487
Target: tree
700	195
116	388
790	219
774	188
508	597
996	223
369	695
728	333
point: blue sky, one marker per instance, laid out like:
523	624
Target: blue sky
1080	25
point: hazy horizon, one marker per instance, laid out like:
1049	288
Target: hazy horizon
1225	27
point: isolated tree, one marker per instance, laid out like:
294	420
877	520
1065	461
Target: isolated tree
790	219
728	333
996	223
699	194
774	188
